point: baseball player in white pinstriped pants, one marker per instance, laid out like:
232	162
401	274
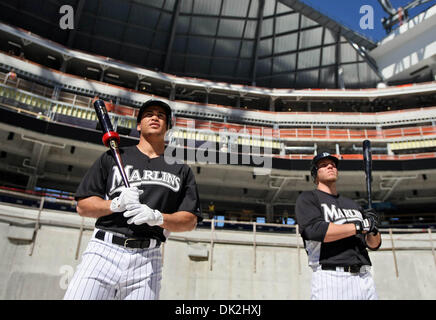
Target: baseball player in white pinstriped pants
123	258
336	234
116	272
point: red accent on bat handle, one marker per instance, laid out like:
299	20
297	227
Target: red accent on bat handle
108	136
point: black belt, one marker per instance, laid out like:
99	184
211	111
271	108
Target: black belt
128	242
355	268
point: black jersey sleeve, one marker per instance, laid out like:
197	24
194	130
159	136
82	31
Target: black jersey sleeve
310	220
94	181
190	200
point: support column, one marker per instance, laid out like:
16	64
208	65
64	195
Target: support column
173	91
238	101
390	152
272	106
103	69
269	213
208	90
139	78
55	94
341	81
36	163
31	183
240	98
25	44
337	58
257	41
65	59
174	19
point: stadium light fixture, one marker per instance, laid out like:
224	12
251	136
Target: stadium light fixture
14	44
92	69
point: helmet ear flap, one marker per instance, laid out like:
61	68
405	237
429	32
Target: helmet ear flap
169	121
314	173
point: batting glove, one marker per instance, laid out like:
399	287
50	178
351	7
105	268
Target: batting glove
127	196
371	214
141	213
369	224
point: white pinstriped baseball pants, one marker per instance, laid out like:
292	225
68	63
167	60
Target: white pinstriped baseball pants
111	272
340	285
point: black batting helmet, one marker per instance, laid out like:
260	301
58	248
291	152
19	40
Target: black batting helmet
160	103
314	167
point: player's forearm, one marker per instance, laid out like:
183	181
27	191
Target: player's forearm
93	207
373	241
339	231
179	221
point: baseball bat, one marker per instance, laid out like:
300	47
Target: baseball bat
111	139
367	161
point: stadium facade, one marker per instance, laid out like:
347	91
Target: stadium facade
258	88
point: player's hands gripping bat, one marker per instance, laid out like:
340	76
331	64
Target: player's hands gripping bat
373	219
128	196
111	138
368	224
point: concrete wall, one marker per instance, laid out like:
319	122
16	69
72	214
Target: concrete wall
408	48
280	272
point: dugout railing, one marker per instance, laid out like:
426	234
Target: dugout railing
212	232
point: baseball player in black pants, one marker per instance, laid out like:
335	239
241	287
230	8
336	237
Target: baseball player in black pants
123	258
336	234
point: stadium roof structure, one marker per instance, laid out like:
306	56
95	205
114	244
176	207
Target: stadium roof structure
265	43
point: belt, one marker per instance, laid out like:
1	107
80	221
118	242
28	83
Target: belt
355	268
128	242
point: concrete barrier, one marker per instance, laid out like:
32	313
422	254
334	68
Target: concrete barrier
232	269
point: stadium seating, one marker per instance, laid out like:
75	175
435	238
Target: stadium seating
63	105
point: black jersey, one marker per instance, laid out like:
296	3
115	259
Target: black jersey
314	211
167	187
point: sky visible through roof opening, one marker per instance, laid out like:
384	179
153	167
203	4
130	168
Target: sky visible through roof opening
354	14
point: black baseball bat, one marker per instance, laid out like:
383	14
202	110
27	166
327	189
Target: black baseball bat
110	138
367	161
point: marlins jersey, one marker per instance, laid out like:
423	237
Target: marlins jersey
314	211
167	187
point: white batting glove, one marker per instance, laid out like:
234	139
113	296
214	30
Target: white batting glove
141	213
127	196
